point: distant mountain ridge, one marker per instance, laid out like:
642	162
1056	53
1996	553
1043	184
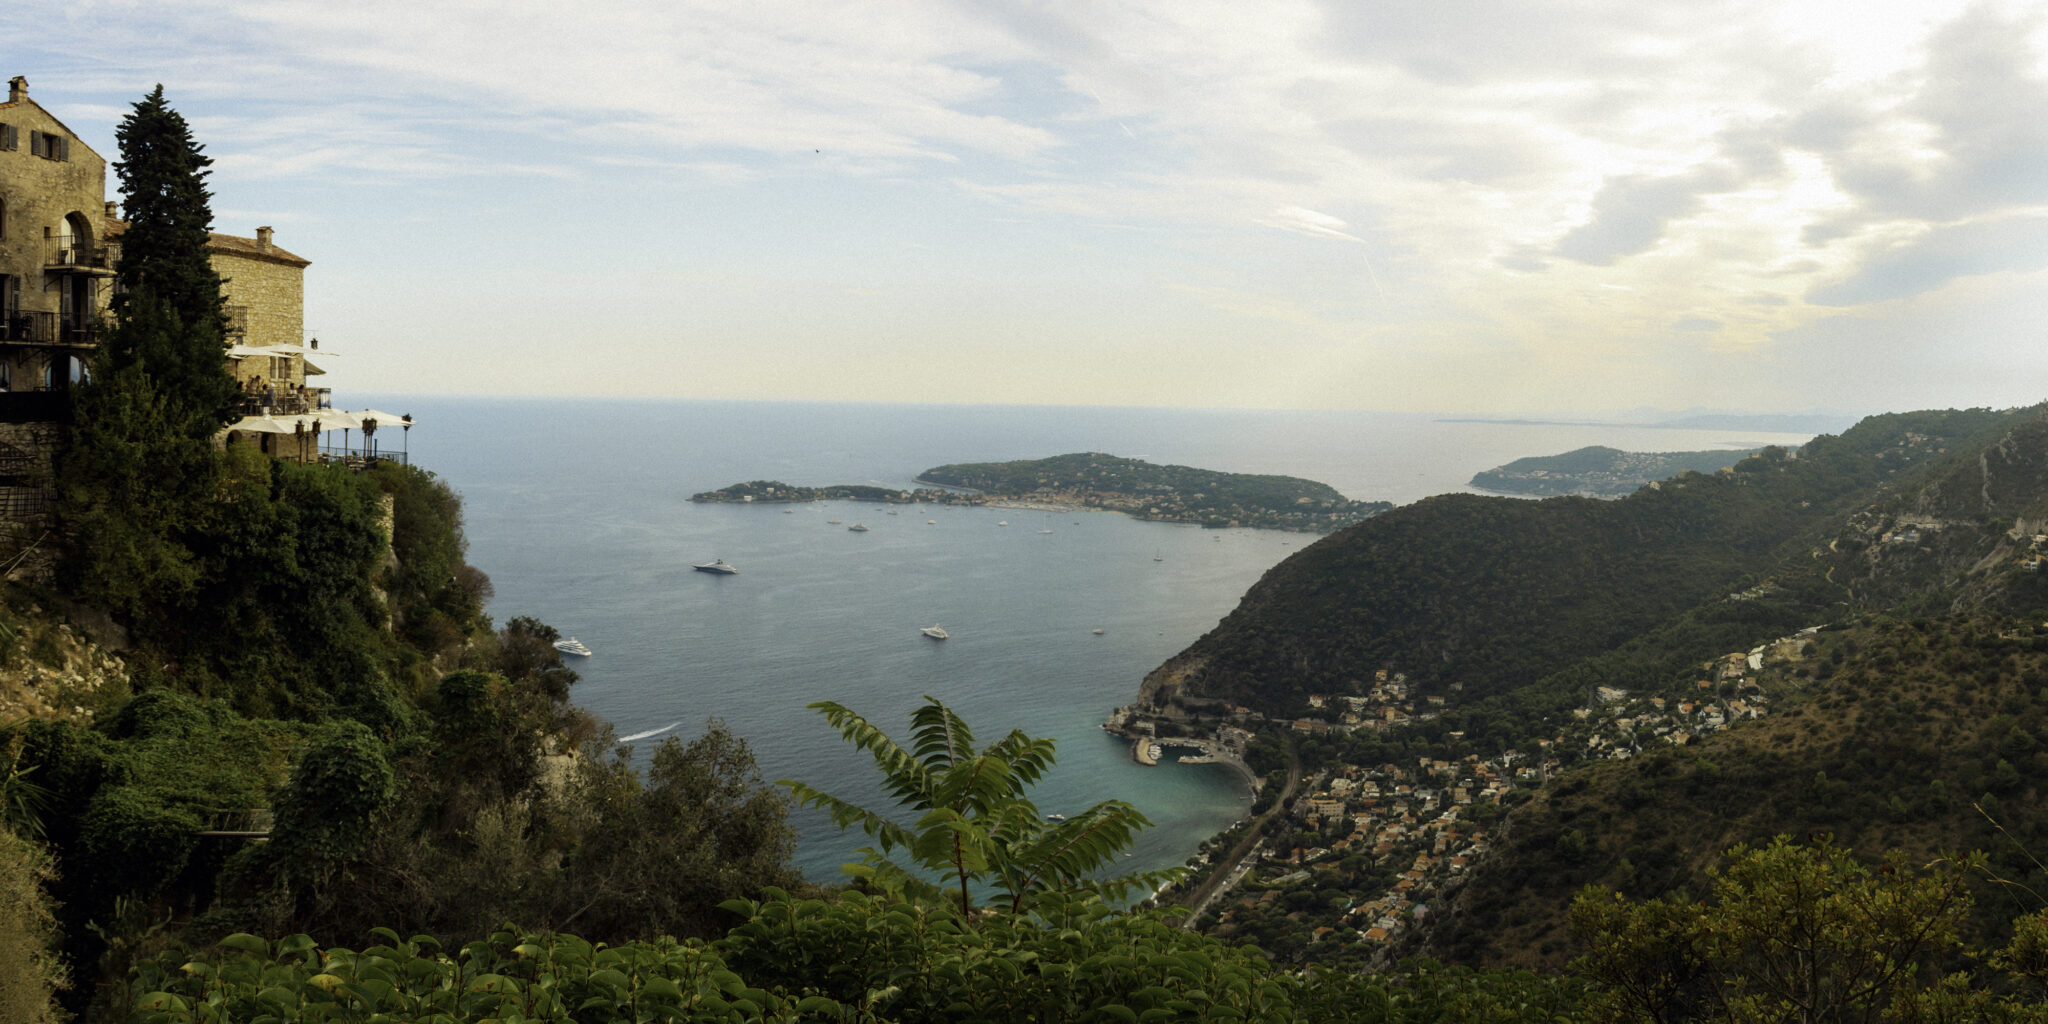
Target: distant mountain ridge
1497	593
1599	471
1775	423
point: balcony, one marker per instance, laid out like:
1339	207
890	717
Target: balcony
286	401
33	328
68	255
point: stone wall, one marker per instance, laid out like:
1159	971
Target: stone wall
267	297
39	196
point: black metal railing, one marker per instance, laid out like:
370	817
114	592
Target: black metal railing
73	252
47	328
356	457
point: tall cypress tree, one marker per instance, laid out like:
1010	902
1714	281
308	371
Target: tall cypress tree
164	262
139	480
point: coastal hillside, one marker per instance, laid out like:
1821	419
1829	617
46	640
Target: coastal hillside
1495	594
1867	671
1919	735
1599	471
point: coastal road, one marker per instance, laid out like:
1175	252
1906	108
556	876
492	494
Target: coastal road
1231	867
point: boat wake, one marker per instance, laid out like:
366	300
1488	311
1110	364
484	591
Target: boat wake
650	732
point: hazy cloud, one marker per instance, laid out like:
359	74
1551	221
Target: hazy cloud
1580	179
1941	256
1630	213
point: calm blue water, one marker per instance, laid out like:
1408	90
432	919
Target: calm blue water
578	509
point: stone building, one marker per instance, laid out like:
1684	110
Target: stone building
56	273
263	288
59	245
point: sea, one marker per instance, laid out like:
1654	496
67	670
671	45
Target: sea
579	511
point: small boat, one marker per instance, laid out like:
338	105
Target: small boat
935	632
1055	818
858	528
835	522
1157	558
931	522
1045	531
892	512
1003	523
716	565
1098	632
572	646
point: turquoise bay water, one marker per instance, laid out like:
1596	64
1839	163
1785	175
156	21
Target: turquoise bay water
578	509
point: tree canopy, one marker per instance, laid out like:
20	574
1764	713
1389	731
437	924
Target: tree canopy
169	316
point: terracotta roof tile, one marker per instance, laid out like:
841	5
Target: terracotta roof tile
232	244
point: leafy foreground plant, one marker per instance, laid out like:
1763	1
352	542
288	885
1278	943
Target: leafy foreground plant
508	977
856	958
975	826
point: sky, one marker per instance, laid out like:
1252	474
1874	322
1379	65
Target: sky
1470	206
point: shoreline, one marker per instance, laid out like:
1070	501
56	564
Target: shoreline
1210	754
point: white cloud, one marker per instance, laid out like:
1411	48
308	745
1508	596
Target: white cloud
1597	181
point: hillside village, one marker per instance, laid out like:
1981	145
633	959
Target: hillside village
1418	828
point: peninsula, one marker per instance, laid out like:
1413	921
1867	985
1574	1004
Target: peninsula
1170	494
1600	472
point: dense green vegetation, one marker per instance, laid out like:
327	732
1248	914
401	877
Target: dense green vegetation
905	949
851	958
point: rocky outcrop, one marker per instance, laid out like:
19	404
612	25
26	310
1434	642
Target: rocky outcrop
50	670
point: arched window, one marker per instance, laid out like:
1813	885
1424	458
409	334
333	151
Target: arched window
71	243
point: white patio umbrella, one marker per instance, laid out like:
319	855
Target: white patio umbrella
288	425
385	419
336	419
262	425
